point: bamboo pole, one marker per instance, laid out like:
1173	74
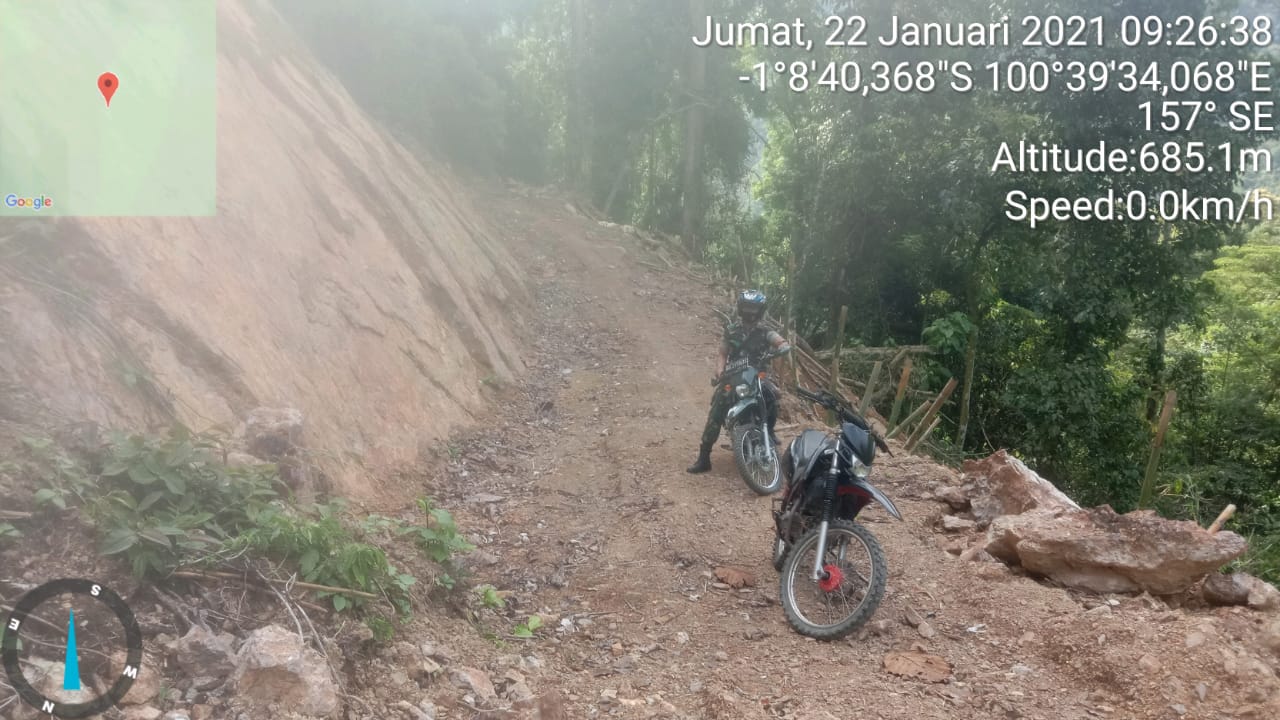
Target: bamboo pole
791	320
915	442
1223	517
903	353
910	419
1157	446
933	410
870	388
835	356
902	392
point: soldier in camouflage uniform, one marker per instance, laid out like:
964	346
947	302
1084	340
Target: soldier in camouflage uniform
748	337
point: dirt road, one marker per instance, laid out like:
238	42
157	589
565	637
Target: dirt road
599	527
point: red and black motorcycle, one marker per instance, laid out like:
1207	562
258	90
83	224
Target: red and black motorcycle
817	533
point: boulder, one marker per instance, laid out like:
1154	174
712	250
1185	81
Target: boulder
951	523
275	666
276	436
1270	637
1240	589
1002	485
200	653
953	495
1102	551
273	433
475	682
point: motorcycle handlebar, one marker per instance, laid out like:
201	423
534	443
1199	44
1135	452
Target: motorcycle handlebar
764	360
846	413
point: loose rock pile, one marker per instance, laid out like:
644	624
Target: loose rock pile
1032	524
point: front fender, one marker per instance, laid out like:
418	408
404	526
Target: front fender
741	407
878	497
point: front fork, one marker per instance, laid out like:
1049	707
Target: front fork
829	497
770	452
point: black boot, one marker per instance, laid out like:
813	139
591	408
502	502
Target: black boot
703	463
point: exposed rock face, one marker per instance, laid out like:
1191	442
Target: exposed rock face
274	666
1002	485
1102	551
341	276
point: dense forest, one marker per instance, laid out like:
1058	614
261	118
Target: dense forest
1066	336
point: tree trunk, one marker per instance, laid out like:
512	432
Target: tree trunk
1155	372
651	209
695	119
576	139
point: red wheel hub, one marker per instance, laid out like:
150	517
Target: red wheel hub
833	580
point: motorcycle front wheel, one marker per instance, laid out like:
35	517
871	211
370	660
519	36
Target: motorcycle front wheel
846	599
763	476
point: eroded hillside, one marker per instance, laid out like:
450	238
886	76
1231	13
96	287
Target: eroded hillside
341	277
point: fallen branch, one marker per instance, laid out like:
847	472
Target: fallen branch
184	620
299	584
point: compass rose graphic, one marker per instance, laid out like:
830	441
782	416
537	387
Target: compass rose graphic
107	638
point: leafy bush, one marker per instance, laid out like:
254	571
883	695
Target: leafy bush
170	502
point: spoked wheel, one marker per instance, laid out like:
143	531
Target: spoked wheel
758	467
855	570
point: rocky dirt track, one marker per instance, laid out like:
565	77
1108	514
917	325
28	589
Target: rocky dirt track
588	517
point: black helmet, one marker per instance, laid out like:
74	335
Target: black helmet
752	305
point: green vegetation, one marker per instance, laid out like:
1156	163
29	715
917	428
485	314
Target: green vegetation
8	531
526	629
170	503
1071	332
489	597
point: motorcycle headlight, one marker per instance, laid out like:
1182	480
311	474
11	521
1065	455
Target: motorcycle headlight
743	389
860	470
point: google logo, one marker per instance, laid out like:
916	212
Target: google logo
36	203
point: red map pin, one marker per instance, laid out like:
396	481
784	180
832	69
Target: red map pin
107	84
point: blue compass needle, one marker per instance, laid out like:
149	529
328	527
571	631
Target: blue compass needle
71	667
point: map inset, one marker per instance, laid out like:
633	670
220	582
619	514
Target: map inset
107	108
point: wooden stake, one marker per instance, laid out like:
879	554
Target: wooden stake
933	411
870	388
1157	446
902	392
834	386
903	353
910	419
1223	517
915	442
791	320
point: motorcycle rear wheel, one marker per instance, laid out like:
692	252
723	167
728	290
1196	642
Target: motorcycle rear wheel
744	437
796	572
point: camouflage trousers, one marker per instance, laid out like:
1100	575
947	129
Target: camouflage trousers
722	400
